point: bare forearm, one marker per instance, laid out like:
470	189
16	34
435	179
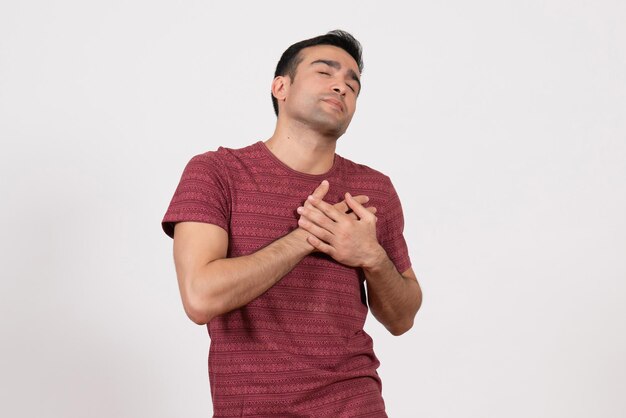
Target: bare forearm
394	299
230	283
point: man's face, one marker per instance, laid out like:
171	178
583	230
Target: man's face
324	91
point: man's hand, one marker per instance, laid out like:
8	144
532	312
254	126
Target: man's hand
345	231
320	193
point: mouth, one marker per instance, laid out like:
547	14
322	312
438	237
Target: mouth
335	103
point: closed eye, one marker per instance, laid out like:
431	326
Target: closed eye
328	74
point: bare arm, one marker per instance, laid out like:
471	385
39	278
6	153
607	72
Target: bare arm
211	284
394	298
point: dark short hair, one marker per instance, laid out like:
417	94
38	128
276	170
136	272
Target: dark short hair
291	57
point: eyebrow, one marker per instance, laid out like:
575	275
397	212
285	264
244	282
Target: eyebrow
337	66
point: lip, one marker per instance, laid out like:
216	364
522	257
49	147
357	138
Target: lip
335	103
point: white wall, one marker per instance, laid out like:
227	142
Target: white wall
502	124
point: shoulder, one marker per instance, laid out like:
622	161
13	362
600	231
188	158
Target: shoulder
366	175
224	159
224	154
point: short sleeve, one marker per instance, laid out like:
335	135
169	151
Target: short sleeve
391	232
202	194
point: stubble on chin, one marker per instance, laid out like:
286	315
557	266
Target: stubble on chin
328	124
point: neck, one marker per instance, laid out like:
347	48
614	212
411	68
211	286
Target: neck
302	149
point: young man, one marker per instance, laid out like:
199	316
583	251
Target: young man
275	242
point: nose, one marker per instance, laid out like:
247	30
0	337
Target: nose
339	89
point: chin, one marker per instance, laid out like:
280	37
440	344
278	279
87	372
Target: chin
334	131
331	127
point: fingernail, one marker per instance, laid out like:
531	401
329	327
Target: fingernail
300	209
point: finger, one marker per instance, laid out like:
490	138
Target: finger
321	190
320	245
312	214
343	206
352	215
360	211
315	230
326	208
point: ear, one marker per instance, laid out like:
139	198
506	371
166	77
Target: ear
280	87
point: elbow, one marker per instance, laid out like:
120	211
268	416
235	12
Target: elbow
197	316
199	310
402	326
419	301
398	329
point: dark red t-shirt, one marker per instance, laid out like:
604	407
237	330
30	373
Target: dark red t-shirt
299	349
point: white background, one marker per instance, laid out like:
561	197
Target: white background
501	123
